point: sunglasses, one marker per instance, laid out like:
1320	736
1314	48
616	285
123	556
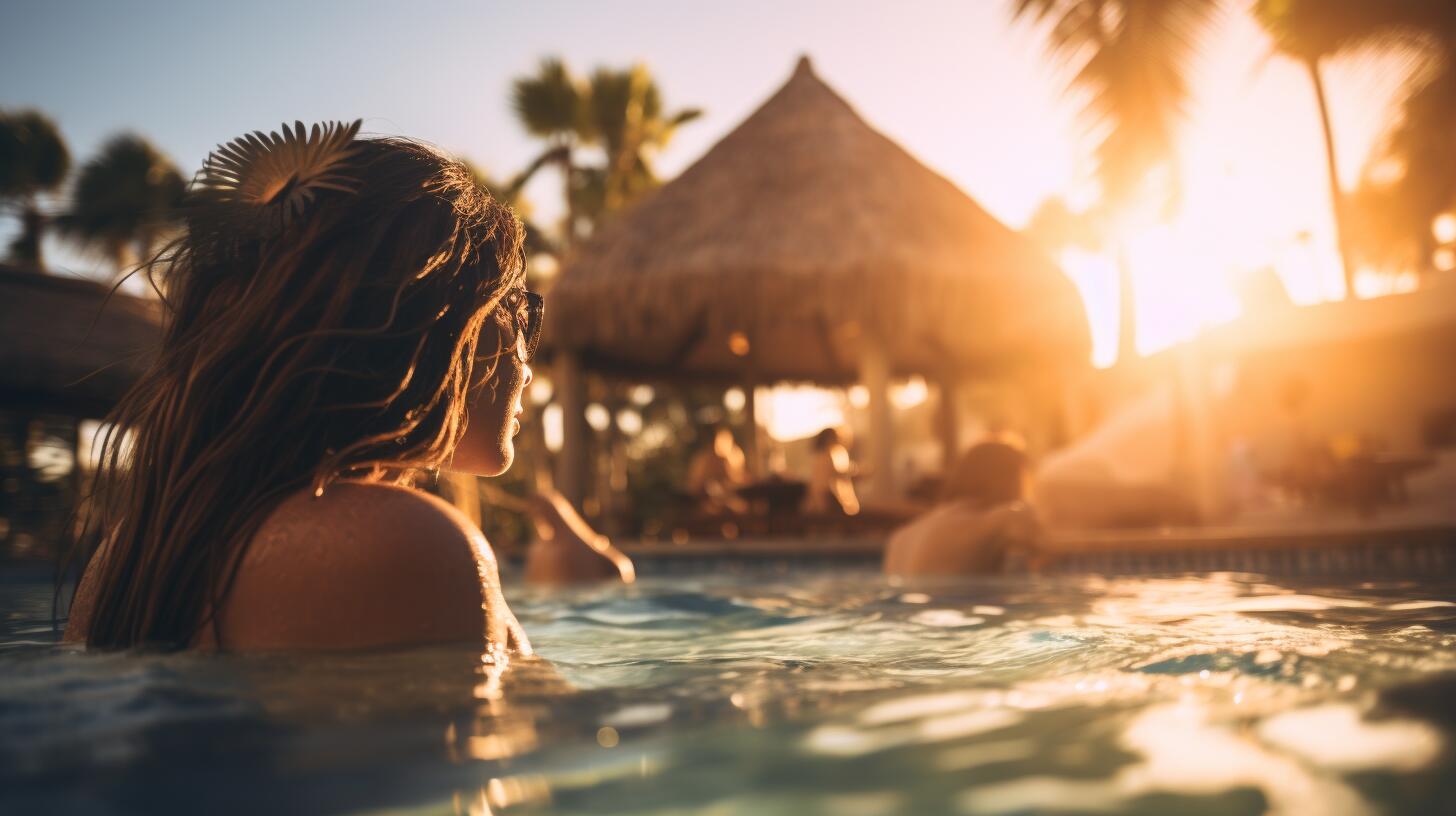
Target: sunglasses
528	308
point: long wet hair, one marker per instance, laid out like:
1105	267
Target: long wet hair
344	346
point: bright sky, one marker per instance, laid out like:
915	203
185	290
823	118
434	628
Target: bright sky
969	93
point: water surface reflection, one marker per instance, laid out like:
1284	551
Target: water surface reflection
808	693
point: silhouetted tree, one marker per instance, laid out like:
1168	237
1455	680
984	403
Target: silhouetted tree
33	160
627	119
1310	33
1421	145
549	104
619	111
125	200
1130	57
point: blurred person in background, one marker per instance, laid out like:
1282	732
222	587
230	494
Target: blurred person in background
716	472
982	525
831	489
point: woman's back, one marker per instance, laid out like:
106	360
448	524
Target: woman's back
960	538
365	565
981	521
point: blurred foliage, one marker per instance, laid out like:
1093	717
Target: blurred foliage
1131	59
33	156
1388	221
125	201
34	159
1312	34
1421	148
651	461
39	486
619	112
537	240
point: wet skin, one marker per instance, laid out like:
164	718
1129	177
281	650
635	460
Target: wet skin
370	565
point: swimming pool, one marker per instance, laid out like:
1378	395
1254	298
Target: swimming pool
800	692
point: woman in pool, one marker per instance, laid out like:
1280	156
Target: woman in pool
983	521
344	317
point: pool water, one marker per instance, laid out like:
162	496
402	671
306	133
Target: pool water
810	692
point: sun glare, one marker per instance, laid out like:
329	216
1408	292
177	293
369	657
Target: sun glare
794	412
909	394
1180	288
1444	228
1253	193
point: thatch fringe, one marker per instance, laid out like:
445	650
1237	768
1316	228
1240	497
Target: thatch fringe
69	346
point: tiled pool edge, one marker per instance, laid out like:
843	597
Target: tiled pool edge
1352	551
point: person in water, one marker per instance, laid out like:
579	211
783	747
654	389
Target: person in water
344	316
982	523
830	488
567	550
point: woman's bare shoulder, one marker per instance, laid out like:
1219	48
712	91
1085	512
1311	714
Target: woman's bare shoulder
363	565
952	538
367	512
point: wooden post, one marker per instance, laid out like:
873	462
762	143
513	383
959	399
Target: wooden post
1202	464
875	377
948	420
752	449
573	463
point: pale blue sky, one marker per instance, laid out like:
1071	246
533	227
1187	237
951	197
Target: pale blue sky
947	79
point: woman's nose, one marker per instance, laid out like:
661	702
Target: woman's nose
526	375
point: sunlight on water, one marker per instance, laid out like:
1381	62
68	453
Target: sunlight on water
819	692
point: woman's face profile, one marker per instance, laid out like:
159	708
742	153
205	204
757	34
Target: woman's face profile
494	416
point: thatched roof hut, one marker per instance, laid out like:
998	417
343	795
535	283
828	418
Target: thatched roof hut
66	347
800	236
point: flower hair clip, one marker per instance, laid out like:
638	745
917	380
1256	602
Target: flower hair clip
270	180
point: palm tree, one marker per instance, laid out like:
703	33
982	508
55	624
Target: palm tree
550	106
619	111
124	200
1387	229
1420	143
1131	58
1314	30
625	113
1309	33
33	160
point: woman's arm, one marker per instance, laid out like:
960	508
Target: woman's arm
567	549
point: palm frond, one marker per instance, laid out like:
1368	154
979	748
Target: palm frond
273	177
549	103
1130	57
619	109
126	196
33	156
